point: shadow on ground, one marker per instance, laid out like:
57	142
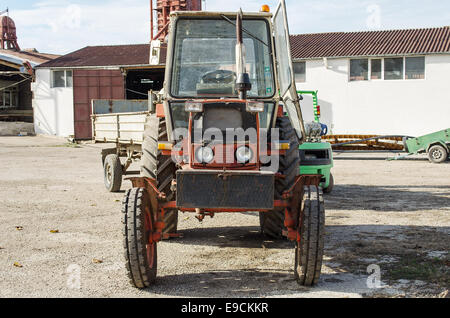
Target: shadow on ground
239	236
388	198
246	283
402	252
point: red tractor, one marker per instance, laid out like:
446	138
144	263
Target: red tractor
225	138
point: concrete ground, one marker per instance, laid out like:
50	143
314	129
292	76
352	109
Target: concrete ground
58	224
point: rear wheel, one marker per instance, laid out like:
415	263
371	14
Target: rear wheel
140	252
112	170
272	223
437	154
161	168
309	251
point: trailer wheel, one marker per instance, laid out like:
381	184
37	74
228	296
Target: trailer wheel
112	170
309	251
272	223
330	185
140	253
437	154
161	168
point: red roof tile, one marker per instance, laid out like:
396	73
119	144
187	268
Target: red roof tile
371	43
111	55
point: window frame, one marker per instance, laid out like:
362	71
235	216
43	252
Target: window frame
350	68
52	78
381	70
403	68
424	68
383	58
173	56
13	93
296	62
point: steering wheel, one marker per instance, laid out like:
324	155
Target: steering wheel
219	77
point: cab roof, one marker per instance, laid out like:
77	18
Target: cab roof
218	14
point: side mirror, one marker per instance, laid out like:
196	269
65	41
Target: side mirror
300	97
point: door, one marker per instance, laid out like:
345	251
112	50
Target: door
285	70
89	85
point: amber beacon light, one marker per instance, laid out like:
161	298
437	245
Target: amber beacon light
265	8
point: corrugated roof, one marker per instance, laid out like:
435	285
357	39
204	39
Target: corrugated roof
371	43
110	55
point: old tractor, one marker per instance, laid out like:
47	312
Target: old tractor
220	142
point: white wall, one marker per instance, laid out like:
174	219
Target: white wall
53	107
404	107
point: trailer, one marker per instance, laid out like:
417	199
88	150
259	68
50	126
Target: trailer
436	145
119	122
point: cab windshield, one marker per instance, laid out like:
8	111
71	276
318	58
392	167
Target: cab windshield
204	58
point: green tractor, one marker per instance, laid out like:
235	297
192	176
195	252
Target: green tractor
316	157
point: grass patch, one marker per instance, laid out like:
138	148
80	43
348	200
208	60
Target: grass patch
416	267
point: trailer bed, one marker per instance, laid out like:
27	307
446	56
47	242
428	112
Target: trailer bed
119	121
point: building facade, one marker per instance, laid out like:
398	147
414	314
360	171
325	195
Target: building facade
383	83
65	87
16	74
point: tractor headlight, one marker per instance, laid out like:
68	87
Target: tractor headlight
244	154
255	107
193	107
204	154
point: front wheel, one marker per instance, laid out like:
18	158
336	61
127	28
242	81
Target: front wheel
309	251
140	250
272	223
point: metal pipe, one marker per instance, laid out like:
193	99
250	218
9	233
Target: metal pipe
151	20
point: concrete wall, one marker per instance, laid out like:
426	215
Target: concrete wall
53	107
405	107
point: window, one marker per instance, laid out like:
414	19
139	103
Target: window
300	72
375	69
62	79
415	67
9	98
204	58
359	70
393	68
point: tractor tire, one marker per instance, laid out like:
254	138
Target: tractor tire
112	171
161	168
272	223
309	251
437	154
140	255
330	185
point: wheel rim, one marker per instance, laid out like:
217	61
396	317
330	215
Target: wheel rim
108	171
436	154
150	246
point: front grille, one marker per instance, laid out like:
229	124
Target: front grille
228	190
218	117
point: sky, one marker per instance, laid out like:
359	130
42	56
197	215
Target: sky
63	26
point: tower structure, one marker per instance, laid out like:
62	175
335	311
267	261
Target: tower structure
8	35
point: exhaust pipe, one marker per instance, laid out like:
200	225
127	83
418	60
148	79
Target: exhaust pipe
243	84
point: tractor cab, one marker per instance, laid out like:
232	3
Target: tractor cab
222	73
